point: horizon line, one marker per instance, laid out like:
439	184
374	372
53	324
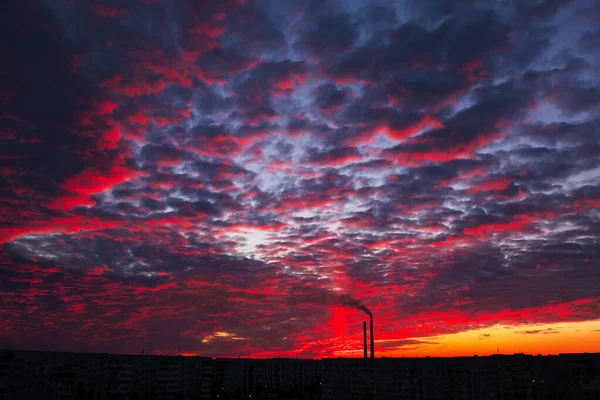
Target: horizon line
292	358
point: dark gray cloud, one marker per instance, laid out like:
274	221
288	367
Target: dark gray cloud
589	41
329	35
329	96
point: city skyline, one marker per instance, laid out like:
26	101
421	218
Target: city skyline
255	178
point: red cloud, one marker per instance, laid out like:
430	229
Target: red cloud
520	223
108	12
308	201
496	184
437	154
69	224
426	122
91	181
337	160
207	29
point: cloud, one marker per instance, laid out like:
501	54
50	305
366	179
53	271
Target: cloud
329	34
329	96
538	331
337	156
589	41
544	10
225	170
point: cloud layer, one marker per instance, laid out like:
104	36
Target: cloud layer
231	175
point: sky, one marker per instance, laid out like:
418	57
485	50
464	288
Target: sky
245	178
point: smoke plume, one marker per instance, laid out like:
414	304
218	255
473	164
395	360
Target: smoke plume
325	297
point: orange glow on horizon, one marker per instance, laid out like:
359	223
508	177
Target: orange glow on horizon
567	337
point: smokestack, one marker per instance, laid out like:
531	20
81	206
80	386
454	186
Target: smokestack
365	337
372	341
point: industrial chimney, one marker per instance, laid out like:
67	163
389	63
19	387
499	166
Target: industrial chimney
365	337
372	341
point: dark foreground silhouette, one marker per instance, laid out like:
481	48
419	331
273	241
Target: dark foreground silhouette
28	375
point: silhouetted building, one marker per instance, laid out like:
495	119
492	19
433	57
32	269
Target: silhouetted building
26	375
565	377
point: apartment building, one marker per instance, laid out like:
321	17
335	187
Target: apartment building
26	375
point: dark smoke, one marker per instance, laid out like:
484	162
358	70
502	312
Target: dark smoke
326	297
350	301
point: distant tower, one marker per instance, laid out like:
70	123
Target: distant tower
365	338
372	339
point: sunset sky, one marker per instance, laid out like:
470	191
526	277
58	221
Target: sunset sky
237	177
